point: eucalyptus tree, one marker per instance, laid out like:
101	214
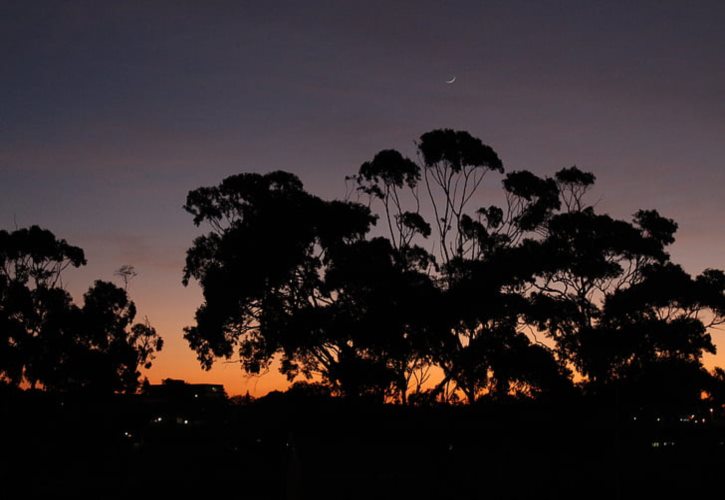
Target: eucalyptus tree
486	349
653	334
389	306
479	303
448	173
263	269
32	261
110	347
48	341
616	308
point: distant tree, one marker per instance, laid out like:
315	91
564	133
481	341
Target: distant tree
49	341
126	273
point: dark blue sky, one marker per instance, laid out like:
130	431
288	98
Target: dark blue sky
110	113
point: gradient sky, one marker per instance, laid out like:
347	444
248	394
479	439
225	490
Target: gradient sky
110	112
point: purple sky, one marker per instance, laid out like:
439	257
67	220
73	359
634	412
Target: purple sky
109	114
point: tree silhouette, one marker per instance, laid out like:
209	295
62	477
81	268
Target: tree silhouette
112	347
452	166
655	332
485	349
262	269
31	263
49	341
385	305
482	303
455	165
618	310
289	276
126	273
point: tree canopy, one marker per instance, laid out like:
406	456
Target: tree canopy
48	341
464	298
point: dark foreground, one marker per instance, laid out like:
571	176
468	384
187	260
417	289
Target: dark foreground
282	449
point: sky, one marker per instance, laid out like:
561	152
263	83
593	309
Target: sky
110	112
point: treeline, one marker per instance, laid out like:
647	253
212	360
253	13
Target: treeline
415	293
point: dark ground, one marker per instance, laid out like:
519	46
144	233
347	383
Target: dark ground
276	448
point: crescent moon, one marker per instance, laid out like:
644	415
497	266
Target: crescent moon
451	80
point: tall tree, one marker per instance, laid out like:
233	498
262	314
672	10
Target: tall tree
653	334
485	350
450	170
388	306
479	305
617	309
262	269
31	264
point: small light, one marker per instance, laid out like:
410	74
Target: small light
186	422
